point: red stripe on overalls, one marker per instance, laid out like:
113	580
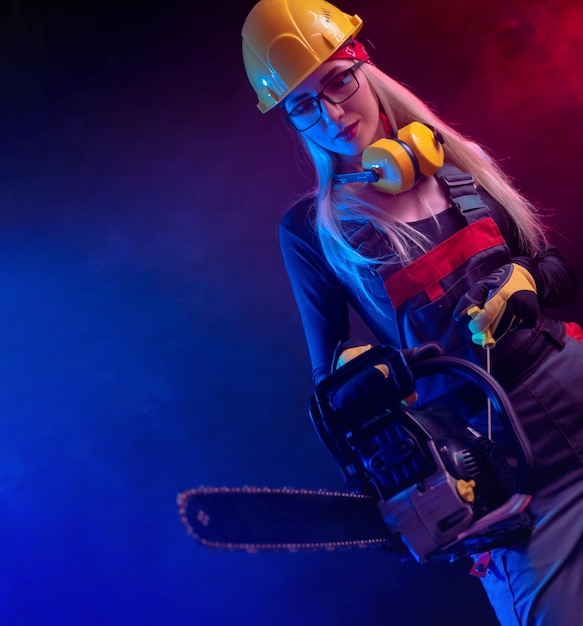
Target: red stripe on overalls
574	330
426	272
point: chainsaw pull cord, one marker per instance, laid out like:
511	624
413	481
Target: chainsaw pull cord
488	342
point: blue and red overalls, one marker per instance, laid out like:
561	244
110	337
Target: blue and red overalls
540	368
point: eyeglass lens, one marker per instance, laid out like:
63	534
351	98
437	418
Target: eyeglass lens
337	90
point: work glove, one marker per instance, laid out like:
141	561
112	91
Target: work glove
422	352
369	380
499	303
556	283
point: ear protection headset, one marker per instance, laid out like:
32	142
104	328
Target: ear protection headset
395	165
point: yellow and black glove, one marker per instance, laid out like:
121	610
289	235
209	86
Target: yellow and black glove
505	300
369	381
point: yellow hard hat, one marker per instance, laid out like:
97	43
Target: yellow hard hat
284	41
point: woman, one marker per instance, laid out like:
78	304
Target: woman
434	245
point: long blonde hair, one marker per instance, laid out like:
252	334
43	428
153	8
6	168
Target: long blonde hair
335	205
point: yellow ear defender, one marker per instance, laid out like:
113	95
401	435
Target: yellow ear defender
395	165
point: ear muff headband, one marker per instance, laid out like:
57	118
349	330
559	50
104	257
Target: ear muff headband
399	163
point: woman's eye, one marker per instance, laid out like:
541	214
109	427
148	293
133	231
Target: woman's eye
305	107
339	81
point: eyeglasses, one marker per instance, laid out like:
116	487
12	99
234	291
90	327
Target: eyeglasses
337	90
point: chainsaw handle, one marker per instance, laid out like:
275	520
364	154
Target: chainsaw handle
500	401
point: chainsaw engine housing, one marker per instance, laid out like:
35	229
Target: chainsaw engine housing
444	489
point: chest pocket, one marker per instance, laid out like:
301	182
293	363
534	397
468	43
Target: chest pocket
425	292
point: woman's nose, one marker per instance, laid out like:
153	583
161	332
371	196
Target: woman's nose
331	112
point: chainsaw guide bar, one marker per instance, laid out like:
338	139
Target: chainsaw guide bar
263	518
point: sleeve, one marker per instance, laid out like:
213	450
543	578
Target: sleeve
320	297
556	283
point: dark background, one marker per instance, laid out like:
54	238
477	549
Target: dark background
149	341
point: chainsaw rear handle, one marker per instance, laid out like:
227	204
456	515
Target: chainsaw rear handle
332	422
500	402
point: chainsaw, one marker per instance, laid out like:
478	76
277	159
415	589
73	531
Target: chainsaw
422	483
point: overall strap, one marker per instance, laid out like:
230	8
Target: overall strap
459	188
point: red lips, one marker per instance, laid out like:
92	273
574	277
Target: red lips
348	133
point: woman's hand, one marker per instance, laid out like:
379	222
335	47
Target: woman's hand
506	299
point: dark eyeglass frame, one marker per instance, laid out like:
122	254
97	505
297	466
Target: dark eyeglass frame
321	94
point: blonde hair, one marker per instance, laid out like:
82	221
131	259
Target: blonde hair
335	205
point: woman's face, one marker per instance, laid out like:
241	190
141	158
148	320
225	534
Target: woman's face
346	128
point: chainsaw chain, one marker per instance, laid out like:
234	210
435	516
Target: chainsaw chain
184	497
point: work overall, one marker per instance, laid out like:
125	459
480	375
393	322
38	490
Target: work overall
530	583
